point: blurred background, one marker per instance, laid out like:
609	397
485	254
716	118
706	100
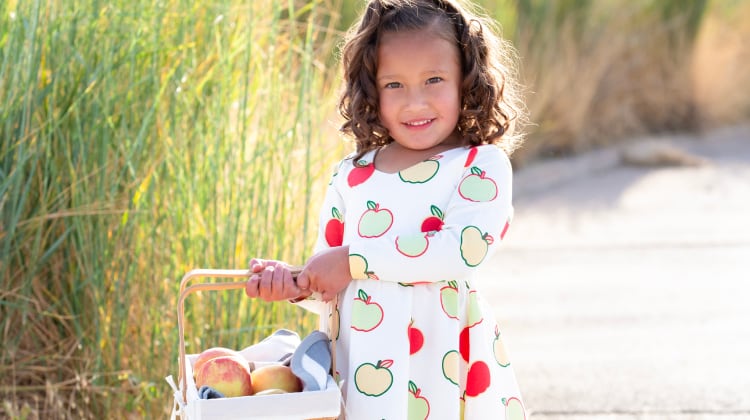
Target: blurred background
141	139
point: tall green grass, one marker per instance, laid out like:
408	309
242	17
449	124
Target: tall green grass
140	140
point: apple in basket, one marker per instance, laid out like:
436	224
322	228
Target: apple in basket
271	379
229	375
211	353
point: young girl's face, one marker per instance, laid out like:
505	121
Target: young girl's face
418	80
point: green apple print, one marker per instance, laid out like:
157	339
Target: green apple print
474	245
449	299
477	187
374	380
419	407
374	221
413	245
366	315
514	409
475	312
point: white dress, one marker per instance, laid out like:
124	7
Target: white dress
415	339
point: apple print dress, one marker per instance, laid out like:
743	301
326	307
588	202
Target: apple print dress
415	339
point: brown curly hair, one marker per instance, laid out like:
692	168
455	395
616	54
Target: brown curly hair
492	111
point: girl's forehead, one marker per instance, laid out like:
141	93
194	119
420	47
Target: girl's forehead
409	51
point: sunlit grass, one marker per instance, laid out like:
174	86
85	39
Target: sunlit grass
141	140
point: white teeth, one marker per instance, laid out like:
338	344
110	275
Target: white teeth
415	123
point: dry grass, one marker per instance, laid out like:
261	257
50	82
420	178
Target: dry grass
721	67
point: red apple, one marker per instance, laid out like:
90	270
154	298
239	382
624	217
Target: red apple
229	375
361	172
478	379
463	343
416	338
505	229
434	222
275	377
470	157
211	353
334	231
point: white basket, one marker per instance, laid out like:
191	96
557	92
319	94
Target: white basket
318	405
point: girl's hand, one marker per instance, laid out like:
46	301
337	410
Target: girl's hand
326	272
272	280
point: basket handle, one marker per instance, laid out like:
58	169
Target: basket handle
185	291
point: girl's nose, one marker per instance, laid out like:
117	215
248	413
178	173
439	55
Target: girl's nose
416	98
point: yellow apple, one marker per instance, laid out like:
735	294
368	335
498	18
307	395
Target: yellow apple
229	375
275	377
211	353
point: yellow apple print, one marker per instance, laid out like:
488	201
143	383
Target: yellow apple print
334	323
501	356
374	380
474	245
421	172
358	268
451	365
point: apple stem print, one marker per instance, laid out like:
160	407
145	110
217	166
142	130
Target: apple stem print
409	218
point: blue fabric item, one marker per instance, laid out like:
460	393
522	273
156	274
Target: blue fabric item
207	393
311	362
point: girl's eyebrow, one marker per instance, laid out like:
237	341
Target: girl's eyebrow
436	72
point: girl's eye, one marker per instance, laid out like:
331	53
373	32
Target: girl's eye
433	80
392	85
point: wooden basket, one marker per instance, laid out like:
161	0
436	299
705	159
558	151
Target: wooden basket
306	405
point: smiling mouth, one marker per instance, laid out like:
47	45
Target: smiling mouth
419	123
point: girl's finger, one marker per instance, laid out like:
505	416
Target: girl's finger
265	288
303	280
251	287
256	265
288	288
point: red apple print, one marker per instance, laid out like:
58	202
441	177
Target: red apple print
505	229
478	379
335	228
416	338
469	159
361	172
433	223
463	343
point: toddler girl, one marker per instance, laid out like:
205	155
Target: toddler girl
425	199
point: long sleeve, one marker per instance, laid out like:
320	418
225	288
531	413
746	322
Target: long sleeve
464	233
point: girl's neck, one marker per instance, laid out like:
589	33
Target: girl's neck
393	157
